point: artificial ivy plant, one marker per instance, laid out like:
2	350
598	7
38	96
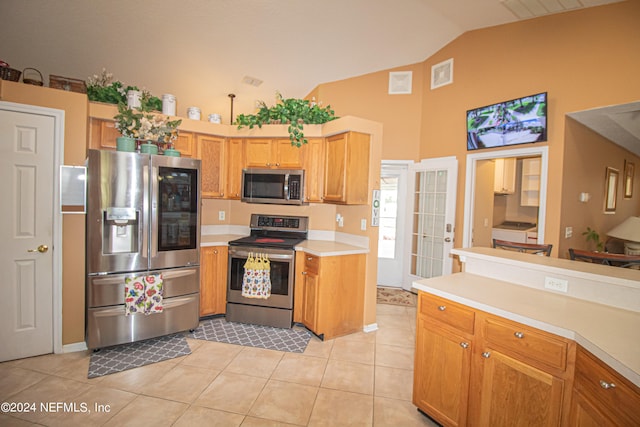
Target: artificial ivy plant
294	112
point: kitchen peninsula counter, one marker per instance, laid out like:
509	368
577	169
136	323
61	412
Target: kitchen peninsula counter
589	313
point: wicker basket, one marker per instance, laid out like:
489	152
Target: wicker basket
10	74
32	79
67	83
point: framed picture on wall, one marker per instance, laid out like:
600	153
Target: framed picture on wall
629	171
611	190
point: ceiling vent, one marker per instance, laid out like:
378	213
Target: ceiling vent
251	81
400	82
442	74
525	9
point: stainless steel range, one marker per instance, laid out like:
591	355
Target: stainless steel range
272	237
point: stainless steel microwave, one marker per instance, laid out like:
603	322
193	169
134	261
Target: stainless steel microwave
275	186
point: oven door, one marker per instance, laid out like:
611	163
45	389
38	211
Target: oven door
282	276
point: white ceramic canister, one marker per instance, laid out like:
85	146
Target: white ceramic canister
168	104
215	118
193	113
133	98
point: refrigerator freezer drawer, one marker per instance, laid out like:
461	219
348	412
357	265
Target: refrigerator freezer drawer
108	290
109	326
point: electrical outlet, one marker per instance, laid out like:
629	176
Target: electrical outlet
556	284
568	232
221	215
363	224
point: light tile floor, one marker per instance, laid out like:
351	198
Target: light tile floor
364	379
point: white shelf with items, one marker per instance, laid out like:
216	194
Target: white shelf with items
530	184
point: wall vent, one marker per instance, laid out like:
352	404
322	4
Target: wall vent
400	82
442	74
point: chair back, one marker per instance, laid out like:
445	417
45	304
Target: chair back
530	248
605	258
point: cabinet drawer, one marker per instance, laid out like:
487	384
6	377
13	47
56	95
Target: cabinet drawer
311	263
447	312
594	378
528	343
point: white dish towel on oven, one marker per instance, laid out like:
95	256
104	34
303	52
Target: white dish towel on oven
256	281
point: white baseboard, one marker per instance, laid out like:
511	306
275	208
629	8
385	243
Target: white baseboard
370	328
77	346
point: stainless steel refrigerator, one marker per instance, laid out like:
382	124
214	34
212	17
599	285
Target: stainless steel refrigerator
143	219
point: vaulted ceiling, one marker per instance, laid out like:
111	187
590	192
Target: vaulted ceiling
202	50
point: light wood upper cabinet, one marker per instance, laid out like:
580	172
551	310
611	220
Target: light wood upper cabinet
346	177
272	153
185	144
234	165
102	134
211	151
213	280
313	164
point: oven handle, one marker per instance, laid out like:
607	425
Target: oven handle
244	254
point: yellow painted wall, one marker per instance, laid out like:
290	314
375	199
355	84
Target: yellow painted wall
75	107
584	59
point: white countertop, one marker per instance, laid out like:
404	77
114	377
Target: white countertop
319	248
609	332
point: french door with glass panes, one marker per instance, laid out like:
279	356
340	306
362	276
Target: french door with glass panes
433	190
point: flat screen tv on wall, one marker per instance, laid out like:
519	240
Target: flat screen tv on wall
519	121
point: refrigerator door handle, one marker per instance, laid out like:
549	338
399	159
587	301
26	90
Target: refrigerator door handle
145	212
154	211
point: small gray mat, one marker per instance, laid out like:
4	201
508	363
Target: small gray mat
133	355
293	340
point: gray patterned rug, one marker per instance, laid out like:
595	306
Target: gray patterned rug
293	340
133	355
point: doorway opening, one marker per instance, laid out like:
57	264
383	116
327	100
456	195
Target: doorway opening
476	222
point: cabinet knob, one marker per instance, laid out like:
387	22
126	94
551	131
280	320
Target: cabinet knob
442	307
518	335
309	259
464	344
486	354
605	385
304	272
215	251
278	164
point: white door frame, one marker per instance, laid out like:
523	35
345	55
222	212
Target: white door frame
401	224
470	183
58	155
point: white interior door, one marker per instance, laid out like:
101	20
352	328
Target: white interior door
393	196
432	218
26	232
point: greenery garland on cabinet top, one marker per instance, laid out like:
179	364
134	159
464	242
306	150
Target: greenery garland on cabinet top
291	111
103	88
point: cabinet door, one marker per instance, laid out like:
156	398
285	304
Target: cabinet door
258	152
441	373
585	413
335	168
512	393
313	157
103	134
211	151
505	176
213	280
184	144
234	164
310	302
287	156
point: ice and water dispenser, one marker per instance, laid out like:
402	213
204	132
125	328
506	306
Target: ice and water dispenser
120	233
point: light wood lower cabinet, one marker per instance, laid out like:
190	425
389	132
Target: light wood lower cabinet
213	280
329	293
473	368
602	397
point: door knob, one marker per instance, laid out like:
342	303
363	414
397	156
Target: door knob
42	249
447	239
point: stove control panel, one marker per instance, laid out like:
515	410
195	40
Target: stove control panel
280	222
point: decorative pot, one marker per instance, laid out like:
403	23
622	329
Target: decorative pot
148	148
171	152
126	143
